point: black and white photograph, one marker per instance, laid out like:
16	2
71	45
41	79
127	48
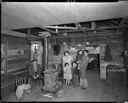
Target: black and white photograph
64	51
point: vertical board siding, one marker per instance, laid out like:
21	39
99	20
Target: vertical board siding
18	56
18	52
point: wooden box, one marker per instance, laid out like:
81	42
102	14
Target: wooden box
116	77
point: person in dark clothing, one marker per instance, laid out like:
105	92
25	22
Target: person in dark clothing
75	74
79	55
78	59
83	69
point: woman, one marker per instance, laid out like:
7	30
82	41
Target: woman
79	57
83	67
67	59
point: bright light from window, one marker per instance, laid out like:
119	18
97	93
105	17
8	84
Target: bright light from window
73	48
87	43
63	43
79	44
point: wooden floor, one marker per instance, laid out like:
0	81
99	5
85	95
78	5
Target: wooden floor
98	90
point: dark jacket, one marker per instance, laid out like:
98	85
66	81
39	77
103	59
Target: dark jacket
79	57
75	71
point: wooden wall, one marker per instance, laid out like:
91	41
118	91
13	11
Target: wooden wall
125	46
18	53
17	57
67	46
125	58
115	42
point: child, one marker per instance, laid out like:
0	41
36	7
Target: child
75	73
67	73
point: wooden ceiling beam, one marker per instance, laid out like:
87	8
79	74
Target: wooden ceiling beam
115	22
51	31
121	23
93	25
89	29
91	35
107	23
13	33
80	28
112	22
60	27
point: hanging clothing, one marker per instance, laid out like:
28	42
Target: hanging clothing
108	56
40	52
56	49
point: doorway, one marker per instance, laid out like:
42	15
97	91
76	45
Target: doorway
94	55
37	48
36	59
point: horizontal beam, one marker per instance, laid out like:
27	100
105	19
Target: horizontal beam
89	29
60	27
51	31
91	35
80	28
13	33
121	23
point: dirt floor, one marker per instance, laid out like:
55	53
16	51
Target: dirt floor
98	90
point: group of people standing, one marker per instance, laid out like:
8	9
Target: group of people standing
74	70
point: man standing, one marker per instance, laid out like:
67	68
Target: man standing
83	69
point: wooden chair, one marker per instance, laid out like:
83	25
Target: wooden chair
21	80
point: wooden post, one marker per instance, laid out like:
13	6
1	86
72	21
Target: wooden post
46	53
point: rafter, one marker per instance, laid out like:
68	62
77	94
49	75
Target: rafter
89	29
90	35
93	25
13	33
60	27
107	23
115	22
112	22
51	31
80	28
121	23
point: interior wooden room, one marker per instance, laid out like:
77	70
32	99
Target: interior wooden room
40	51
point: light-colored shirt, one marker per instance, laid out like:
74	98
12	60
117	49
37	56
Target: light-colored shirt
67	59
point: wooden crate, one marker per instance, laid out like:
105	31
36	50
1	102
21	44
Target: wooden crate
116	77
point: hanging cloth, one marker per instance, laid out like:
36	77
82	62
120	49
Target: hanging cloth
56	49
108	56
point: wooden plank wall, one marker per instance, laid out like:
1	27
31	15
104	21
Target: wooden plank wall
125	58
115	41
18	55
